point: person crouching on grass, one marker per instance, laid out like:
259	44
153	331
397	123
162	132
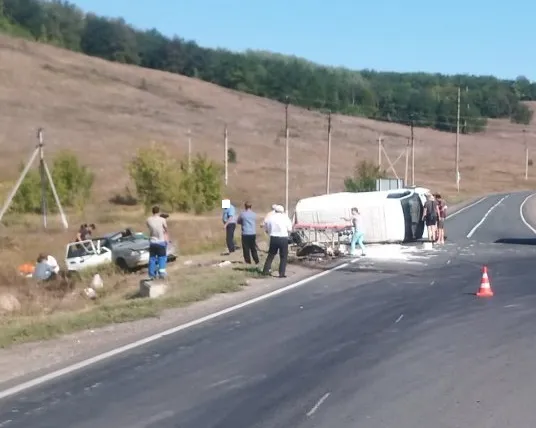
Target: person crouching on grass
158	237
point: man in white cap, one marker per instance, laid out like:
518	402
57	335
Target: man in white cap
267	216
278	226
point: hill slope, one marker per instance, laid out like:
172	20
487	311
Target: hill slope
103	111
425	99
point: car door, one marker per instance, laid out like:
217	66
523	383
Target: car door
80	255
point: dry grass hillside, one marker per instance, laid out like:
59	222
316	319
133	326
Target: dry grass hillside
103	111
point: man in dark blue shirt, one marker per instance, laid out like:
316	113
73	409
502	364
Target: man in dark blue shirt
248	219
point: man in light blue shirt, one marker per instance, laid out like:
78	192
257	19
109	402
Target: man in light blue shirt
229	224
248	219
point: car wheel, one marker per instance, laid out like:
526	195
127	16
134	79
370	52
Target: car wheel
122	264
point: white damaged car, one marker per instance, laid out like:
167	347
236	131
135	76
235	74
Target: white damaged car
126	249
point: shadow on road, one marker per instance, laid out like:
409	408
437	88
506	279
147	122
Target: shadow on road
516	241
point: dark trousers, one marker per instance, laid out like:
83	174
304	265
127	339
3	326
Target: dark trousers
249	248
229	236
277	245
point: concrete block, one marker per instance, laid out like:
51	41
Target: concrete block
153	289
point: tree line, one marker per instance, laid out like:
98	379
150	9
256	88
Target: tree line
424	99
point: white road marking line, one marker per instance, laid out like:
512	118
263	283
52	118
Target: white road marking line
473	230
523	217
399	319
467	207
122	349
318	404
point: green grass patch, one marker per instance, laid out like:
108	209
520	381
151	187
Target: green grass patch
121	305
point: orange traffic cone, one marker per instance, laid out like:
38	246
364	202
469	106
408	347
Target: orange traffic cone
485	287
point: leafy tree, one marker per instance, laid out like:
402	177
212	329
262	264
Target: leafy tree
109	39
161	179
364	178
522	114
231	155
156	177
201	185
72	180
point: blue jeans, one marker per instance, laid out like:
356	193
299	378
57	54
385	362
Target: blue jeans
357	238
157	257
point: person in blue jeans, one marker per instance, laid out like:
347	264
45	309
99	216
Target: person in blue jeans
158	238
358	232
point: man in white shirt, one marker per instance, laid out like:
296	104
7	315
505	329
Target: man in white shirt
267	216
278	226
158	239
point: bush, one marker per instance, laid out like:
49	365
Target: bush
161	179
364	179
201	184
231	155
72	180
521	114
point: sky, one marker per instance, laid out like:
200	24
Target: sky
490	37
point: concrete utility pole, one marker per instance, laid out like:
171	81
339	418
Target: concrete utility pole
189	149
412	155
286	155
526	154
45	175
328	166
406	172
226	154
380	151
458	143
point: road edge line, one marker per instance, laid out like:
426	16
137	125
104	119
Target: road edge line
40	380
523	219
483	219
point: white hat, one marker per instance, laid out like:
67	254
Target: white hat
225	203
279	209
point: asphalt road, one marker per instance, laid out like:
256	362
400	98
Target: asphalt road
377	344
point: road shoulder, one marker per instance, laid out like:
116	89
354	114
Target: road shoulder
22	362
25	361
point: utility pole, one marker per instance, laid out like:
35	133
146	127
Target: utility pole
226	154
458	143
286	155
406	172
45	175
526	154
189	150
380	151
328	166
412	154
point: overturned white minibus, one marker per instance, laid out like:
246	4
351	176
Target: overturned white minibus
392	216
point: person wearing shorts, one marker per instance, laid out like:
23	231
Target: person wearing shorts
431	216
442	206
